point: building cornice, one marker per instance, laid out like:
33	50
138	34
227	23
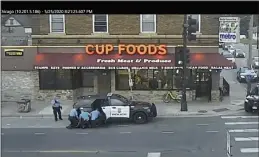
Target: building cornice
62	36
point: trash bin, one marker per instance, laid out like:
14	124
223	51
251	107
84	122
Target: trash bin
24	105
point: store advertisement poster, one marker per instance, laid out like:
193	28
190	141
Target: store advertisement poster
229	29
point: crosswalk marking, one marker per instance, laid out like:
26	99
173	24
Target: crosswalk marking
249	150
154	154
243	130
236	117
241	123
242	139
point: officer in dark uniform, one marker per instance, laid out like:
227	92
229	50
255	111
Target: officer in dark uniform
56	106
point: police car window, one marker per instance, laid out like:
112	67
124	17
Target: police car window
116	102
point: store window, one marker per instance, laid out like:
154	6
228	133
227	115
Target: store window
152	79
144	79
88	78
55	79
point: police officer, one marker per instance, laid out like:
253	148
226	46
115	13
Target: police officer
56	106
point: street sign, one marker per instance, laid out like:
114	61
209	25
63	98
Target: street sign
229	29
228	145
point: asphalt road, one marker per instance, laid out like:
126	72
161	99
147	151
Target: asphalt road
240	62
167	137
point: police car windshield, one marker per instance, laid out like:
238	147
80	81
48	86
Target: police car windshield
122	98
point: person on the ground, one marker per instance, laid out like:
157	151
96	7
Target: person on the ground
73	118
94	117
56	106
255	90
84	119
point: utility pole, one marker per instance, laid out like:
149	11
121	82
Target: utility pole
250	50
183	100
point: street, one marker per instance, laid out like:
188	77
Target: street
240	62
163	137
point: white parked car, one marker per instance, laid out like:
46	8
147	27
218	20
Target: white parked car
255	64
231	50
239	53
229	57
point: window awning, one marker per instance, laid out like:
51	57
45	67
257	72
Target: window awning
83	61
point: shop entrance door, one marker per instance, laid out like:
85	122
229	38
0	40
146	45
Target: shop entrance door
203	84
104	81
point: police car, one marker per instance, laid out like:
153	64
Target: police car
116	106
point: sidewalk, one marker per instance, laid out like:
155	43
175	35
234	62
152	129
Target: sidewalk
43	109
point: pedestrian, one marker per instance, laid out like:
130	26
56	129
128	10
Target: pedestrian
56	106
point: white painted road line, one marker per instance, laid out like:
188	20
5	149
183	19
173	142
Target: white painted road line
122	125
241	123
52	151
243	139
243	117
202	124
81	133
155	154
2	133
244	130
39	133
125	132
249	150
212	131
167	132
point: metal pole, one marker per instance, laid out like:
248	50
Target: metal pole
183	100
249	59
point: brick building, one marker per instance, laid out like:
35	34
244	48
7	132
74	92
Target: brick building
59	41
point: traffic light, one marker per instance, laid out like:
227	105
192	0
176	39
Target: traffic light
179	56
187	56
192	28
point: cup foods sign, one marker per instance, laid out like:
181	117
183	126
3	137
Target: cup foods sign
229	29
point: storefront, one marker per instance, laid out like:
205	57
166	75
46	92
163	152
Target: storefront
70	72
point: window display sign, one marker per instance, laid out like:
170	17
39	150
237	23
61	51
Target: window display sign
125	67
13	52
229	29
128	49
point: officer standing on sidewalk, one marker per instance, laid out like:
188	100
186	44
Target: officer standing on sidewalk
56	106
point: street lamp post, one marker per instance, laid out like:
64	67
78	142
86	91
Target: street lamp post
183	100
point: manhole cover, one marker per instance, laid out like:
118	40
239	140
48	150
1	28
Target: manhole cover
220	110
202	111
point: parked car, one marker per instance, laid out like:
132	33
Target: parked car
225	47
255	63
229	56
230	47
116	106
243	73
239	53
232	50
251	103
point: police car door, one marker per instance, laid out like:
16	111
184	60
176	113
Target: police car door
106	109
119	109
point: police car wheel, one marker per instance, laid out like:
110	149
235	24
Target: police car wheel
140	118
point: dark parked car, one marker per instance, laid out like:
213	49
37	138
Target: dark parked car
251	103
243	72
116	106
239	53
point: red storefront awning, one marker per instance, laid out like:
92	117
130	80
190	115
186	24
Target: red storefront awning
81	61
